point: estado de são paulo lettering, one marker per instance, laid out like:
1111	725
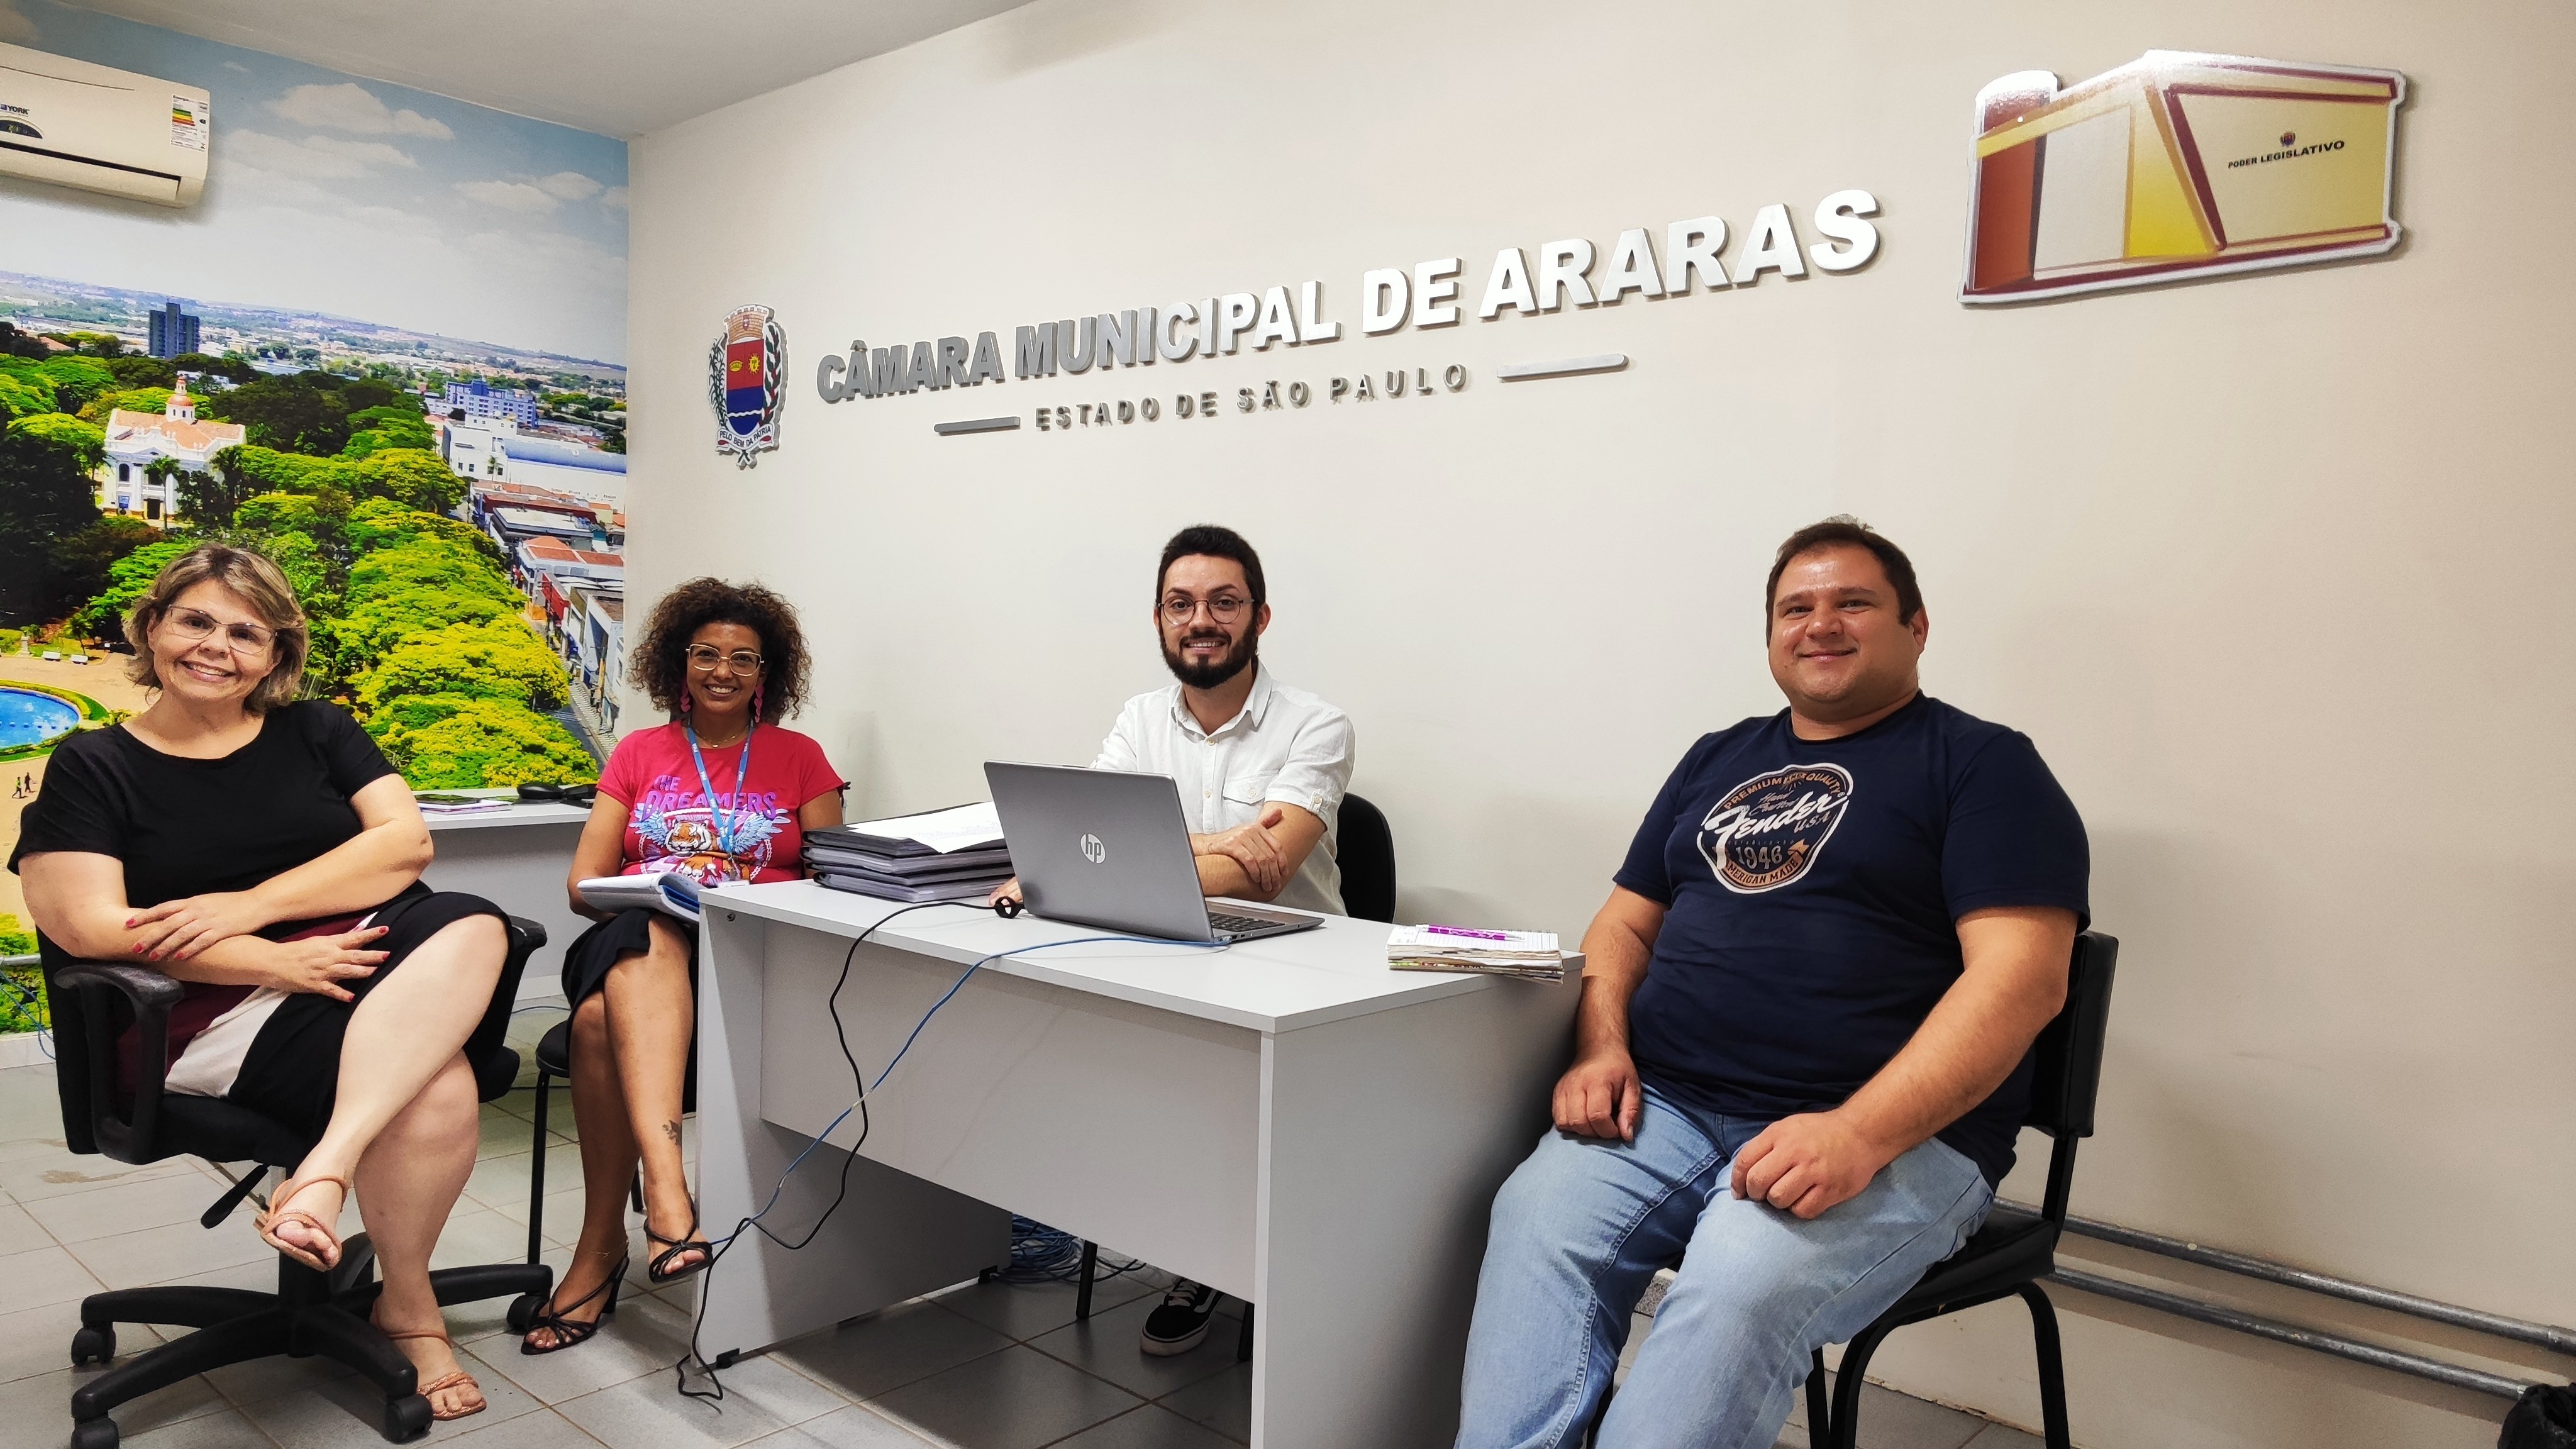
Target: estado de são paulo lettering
1429	294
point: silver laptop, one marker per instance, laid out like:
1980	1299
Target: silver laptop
1107	848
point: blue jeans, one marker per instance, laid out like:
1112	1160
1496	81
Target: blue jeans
1580	1229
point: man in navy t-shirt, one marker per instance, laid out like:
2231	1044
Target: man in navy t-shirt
1803	1050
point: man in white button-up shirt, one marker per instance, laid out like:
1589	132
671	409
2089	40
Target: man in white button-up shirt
1262	768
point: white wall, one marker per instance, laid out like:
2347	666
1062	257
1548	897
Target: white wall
2273	569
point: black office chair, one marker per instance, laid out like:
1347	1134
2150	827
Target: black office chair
1367	857
311	1312
2013	1251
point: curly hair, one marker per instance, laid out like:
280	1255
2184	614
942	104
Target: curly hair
661	667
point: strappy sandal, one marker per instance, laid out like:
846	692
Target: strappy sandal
571	1331
278	1212
659	1271
457	1380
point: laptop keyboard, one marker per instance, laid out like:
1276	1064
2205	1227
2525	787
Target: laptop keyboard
1218	920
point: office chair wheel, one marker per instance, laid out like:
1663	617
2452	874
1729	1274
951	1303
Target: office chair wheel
524	1310
405	1418
94	1434
97	1344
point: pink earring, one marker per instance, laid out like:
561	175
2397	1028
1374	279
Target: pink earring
686	699
756	692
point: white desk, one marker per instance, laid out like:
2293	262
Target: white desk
1288	1120
518	859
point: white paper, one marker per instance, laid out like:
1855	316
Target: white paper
941	830
671	892
1469	941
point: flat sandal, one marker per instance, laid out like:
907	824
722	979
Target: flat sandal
278	1212
460	1379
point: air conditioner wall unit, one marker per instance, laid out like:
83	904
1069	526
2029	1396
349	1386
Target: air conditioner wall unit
76	124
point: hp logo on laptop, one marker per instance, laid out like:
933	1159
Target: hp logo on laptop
1093	850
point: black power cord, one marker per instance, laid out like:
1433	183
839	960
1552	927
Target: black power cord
1005	908
859	1083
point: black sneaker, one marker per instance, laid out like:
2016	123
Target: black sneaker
1181	1322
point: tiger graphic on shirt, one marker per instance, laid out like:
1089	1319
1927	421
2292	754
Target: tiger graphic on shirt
678	832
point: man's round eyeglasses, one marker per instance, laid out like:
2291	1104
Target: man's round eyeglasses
703	659
191	626
1224	608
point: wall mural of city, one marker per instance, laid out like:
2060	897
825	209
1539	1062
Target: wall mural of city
386	349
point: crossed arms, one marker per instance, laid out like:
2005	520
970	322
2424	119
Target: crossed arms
2013	985
78	900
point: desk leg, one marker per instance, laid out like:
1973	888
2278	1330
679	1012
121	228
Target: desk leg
894	1237
1383	1141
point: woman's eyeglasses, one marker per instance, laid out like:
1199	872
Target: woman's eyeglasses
704	658
192	626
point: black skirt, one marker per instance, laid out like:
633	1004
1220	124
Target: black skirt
292	1070
628	933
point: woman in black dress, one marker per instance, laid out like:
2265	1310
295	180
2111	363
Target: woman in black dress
257	848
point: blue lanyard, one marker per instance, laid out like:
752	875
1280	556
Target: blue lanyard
724	819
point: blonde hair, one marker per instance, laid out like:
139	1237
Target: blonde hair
258	583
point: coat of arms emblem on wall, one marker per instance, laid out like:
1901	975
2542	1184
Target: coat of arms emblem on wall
747	380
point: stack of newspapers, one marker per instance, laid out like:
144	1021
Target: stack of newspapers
942	856
1529	955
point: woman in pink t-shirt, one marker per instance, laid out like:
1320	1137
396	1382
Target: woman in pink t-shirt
722	793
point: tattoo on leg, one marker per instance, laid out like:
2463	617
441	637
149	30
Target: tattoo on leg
672	1131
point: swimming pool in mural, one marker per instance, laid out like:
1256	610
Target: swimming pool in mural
30	718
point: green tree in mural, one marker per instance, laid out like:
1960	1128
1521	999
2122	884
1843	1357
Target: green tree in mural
299	414
82	445
321	519
76	380
132	399
141	371
231	369
456	742
45	495
375	429
499	659
208	499
24	390
14	343
85	561
299	558
103	617
411	477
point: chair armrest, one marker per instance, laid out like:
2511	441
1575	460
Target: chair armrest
151	994
140	985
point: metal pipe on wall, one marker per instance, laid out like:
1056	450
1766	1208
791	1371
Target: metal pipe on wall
2555	1339
2474	1380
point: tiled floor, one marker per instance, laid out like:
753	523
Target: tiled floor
978	1367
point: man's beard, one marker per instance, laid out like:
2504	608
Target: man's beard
1217	671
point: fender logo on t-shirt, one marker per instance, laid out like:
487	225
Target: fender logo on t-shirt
1767	831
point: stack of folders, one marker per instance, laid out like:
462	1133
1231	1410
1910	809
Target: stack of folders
1529	955
668	891
943	856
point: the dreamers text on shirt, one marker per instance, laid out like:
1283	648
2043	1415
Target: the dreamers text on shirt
678	831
